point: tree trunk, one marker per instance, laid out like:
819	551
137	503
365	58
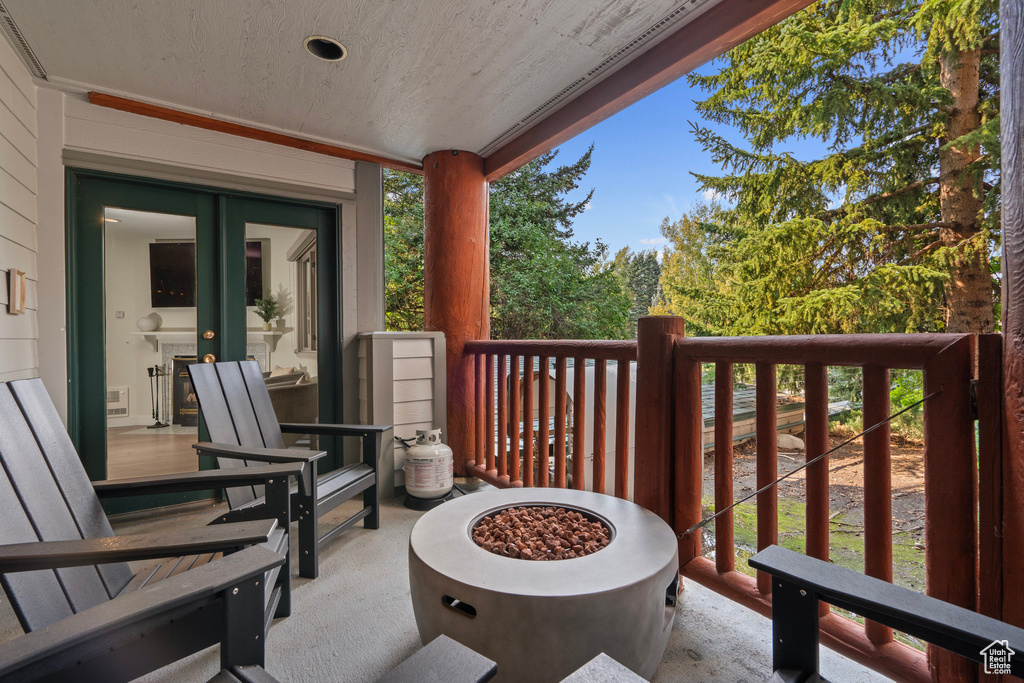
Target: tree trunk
969	289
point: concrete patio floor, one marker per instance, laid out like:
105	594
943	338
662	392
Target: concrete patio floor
355	621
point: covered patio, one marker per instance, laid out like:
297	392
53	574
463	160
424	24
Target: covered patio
226	108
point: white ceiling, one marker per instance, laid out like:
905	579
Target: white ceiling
421	75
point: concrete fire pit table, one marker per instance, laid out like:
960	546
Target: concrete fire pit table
542	620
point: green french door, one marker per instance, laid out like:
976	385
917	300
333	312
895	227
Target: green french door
163	275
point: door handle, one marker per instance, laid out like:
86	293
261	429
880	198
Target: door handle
209	358
209	334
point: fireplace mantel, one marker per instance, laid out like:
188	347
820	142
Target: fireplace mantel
183	335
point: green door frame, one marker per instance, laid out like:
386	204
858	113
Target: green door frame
221	216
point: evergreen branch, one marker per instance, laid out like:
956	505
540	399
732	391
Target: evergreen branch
921	252
912	227
875	198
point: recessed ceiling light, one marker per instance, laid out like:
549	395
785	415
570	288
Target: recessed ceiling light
327	49
111	220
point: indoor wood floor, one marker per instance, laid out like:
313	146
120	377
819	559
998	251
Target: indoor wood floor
132	452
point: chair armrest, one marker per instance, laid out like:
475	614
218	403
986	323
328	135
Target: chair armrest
954	628
194	481
333	430
22	557
223	450
110	624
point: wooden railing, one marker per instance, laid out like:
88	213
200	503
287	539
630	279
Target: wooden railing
505	373
963	530
952	543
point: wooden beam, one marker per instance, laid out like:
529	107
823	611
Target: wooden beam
1011	74
721	28
239	130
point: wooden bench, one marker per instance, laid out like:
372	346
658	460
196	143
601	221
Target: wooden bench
67	576
799	582
243	429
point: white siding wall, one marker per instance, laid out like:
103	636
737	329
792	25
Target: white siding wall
19	356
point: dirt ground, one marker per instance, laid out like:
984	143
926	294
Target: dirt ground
846	492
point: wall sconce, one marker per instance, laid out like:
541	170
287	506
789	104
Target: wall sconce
15	291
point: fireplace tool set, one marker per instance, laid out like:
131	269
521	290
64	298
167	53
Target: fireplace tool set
155	373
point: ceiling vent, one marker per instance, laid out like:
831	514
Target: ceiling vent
673	19
19	43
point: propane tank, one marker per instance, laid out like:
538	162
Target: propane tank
428	466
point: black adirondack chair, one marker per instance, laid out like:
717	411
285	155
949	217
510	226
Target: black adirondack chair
60	560
243	429
799	582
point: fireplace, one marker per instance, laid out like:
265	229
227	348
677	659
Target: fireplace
540	621
184	407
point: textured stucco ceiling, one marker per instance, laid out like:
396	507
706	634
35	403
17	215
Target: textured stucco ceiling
421	75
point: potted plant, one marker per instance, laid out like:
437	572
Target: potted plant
267	308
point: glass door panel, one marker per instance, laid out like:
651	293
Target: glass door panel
281	319
150	299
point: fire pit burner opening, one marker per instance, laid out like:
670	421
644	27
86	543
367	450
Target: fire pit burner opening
541	532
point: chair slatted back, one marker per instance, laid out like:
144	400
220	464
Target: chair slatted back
32	495
61	456
236	407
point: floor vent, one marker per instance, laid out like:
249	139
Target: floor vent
19	43
117	401
670	20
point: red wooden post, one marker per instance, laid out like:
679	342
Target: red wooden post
1011	75
950	476
725	544
688	454
816	443
622	473
544	465
600	383
528	421
515	406
490	412
766	426
560	422
481	403
654	414
456	278
877	489
579	422
990	473
502	415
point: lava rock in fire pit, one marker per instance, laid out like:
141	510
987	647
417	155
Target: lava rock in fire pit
540	533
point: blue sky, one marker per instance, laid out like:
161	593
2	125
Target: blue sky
640	170
641	167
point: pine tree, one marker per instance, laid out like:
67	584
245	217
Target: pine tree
543	284
904	198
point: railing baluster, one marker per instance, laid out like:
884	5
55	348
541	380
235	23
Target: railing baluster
622	430
877	489
480	405
528	421
579	423
725	547
490	412
544	410
502	416
816	443
600	382
766	425
515	406
560	422
689	454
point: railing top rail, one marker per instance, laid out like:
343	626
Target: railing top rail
580	348
910	351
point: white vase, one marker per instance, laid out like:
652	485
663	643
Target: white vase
148	323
